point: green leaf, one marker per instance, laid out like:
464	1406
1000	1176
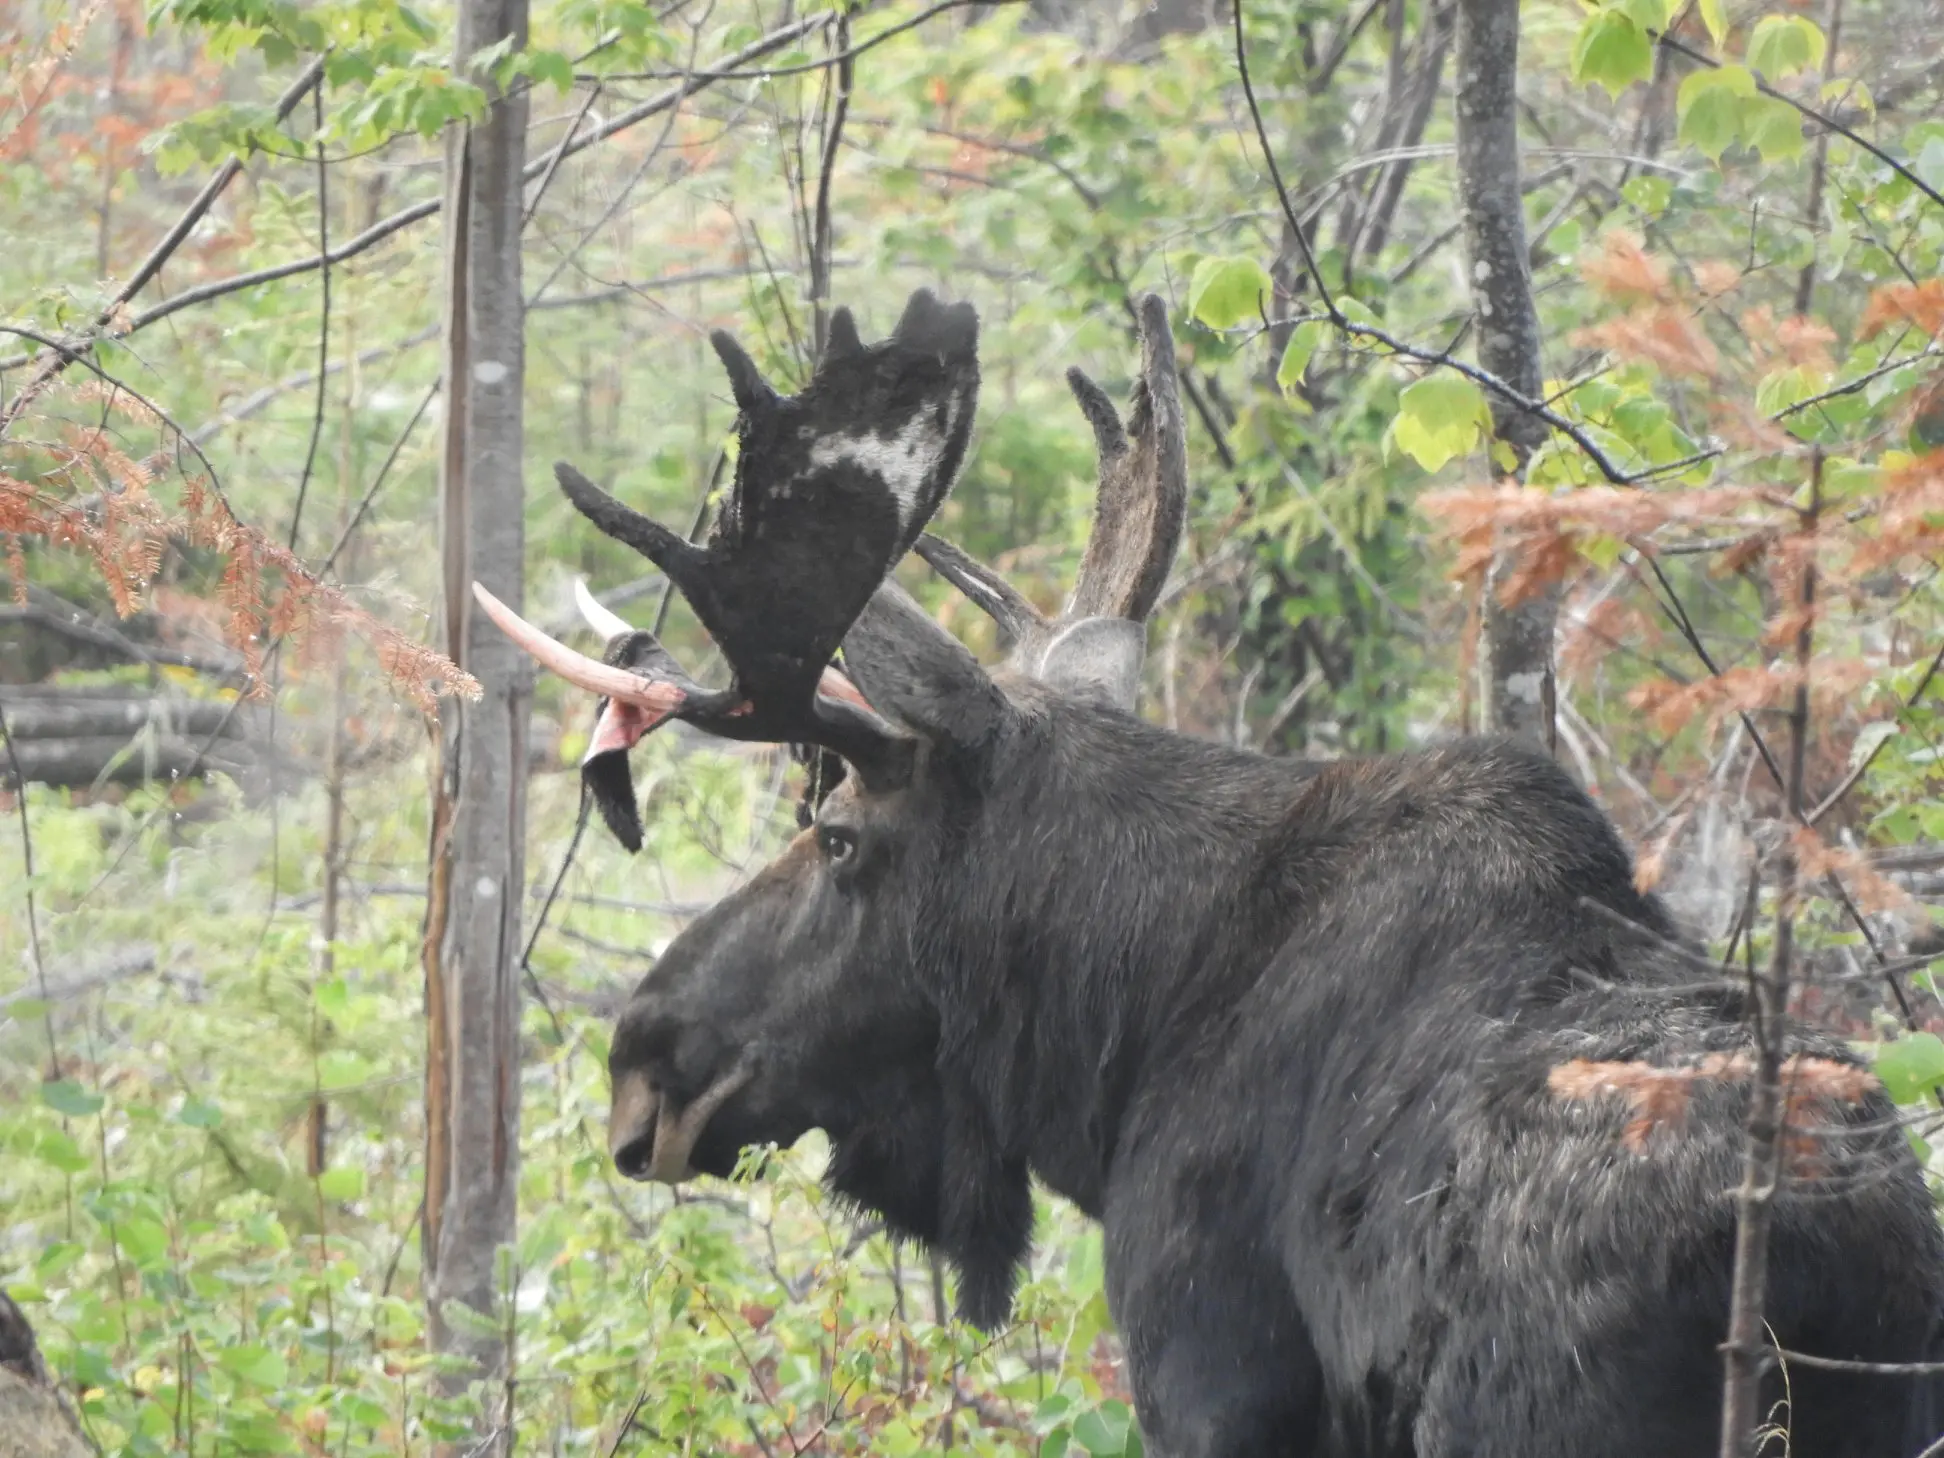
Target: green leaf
341	1068
54	1148
1910	1066
1787	386
257	1365
1715	20
1103	1432
1438	418
1709	105
199	1115
346	1183
1225	291
1303	340
1773	128
1649	15
1612	51
145	1241
67	1097
1650	192
1781	45
1840	92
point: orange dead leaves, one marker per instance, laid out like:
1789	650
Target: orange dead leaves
1658	1098
1714	277
1816	858
1744	691
107	511
1609	623
1547	532
1623	271
1920	305
1666	335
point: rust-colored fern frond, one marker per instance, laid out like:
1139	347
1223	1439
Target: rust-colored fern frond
87	491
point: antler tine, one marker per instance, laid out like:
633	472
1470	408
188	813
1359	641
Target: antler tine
1143	500
998	599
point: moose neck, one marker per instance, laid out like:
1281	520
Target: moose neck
1109	885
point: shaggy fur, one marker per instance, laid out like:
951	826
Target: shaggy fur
1285	1030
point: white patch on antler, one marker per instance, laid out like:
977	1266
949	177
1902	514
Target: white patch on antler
903	461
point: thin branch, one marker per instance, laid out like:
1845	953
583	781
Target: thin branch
164	249
323	324
417	212
1275	175
1835	796
33	918
729	73
1901	169
820	241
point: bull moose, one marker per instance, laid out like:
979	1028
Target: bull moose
1285	1029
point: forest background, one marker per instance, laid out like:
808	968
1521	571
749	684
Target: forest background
221	433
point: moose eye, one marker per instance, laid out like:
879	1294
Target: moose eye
838	844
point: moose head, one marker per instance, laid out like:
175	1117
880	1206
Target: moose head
845	986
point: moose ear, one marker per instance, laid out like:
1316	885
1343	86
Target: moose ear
1097	658
913	670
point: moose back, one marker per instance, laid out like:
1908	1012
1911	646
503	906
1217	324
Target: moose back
1288	1031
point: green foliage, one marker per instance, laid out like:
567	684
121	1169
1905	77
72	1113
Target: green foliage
184	1263
1712	105
1613	51
1226	291
1781	45
1911	1066
1440	417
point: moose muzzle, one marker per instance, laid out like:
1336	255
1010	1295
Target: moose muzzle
649	1138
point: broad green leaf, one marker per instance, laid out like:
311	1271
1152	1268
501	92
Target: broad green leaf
1612	51
199	1115
1649	15
341	1068
143	1240
1781	45
53	1147
1773	128
1911	1066
1438	417
1787	386
1709	105
257	1365
67	1097
1650	192
1715	20
1842	92
1226	291
1103	1432
1303	340
344	1183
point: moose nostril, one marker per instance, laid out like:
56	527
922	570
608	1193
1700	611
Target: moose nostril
634	1157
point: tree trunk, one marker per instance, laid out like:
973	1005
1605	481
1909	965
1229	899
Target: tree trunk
1518	638
476	871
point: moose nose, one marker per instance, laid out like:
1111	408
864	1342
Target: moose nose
631	1125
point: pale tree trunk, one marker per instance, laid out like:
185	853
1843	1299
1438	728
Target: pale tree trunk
472	926
1519	639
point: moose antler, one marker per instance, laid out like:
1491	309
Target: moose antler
833	486
1138	520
